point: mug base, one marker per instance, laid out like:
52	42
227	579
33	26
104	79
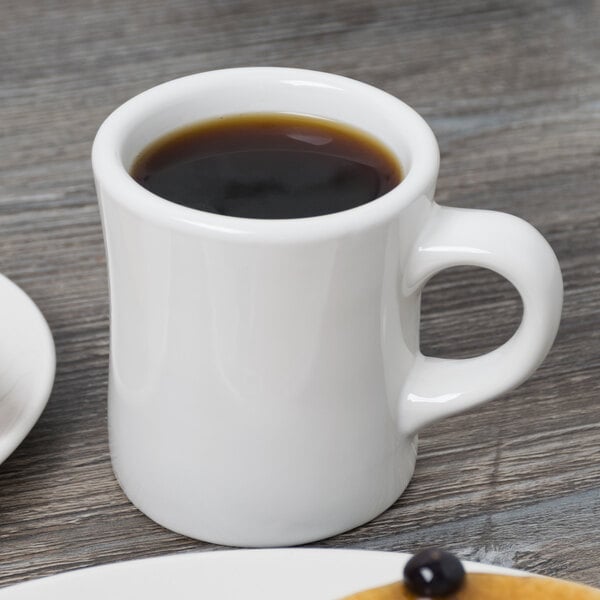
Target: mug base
245	533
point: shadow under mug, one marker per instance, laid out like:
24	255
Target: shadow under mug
266	384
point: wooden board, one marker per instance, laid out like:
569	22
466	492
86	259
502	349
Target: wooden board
512	90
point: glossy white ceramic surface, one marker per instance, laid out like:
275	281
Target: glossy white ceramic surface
299	574
27	364
266	383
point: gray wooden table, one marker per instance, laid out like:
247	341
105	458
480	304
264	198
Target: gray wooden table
512	90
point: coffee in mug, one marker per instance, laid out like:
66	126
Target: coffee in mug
268	166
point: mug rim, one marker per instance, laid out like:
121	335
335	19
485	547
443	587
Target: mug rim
112	176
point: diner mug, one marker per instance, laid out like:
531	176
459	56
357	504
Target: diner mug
266	385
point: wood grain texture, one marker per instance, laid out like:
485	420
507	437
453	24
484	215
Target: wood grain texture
512	90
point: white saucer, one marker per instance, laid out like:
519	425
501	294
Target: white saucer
27	364
290	574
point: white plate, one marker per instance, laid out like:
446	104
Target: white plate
288	574
27	364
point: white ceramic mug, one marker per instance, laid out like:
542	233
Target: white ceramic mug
266	384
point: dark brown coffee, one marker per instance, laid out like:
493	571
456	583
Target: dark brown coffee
268	166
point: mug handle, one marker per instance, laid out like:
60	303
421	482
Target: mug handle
437	387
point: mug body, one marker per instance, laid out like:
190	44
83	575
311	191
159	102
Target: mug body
256	365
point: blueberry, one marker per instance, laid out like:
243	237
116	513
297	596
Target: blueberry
433	572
